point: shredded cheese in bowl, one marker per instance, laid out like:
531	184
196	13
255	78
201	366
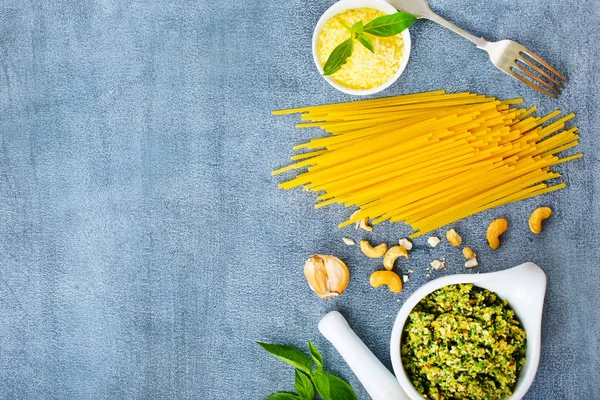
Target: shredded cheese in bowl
363	69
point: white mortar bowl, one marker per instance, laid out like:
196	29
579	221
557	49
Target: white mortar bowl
523	286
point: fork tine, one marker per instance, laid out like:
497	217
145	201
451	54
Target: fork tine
530	84
541	72
544	63
536	78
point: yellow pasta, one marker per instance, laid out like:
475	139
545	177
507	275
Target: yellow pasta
428	159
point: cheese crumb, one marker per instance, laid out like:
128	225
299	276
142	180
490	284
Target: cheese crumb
363	69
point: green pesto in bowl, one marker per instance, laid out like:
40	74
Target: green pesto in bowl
463	342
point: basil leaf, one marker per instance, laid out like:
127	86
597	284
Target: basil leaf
314	353
338	57
321	381
357	27
304	386
365	41
339	389
389	25
290	355
282	396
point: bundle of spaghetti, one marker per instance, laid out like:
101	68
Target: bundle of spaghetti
429	159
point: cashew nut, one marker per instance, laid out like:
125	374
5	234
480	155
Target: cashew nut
364	224
373	252
389	278
496	228
536	218
454	238
392	254
468	253
327	276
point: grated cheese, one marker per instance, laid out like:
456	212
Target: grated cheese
363	70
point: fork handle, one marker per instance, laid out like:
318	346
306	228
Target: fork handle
479	42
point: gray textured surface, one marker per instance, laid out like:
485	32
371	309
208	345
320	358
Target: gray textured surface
143	244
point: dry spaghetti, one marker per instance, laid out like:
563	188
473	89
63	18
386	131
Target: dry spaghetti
429	159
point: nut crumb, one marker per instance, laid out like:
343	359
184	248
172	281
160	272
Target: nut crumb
438	264
405	278
453	237
471	263
364	224
407	244
352	216
468	253
410	271
433	241
348	241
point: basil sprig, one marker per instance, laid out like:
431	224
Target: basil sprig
390	25
338	57
384	26
309	377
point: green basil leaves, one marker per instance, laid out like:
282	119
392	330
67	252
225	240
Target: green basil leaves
329	386
390	25
384	26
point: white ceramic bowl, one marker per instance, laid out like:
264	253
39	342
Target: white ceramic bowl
523	286
342	6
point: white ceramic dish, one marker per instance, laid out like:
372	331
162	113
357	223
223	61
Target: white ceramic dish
342	6
524	287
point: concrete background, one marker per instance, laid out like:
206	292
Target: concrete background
144	246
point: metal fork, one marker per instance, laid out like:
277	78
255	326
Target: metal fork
508	56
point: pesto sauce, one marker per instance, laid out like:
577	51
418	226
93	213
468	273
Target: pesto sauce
463	342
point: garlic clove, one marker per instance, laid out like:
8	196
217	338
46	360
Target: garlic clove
327	276
316	275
